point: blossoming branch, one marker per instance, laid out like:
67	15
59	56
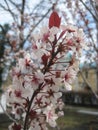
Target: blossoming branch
37	78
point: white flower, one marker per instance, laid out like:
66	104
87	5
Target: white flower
18	93
40	73
54	94
50	115
68	77
60	113
25	63
54	30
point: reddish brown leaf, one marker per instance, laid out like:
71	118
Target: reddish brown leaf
54	20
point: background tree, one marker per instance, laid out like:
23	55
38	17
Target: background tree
91	29
27	18
3	45
84	14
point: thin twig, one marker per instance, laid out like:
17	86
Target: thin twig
95	18
35	8
95	94
10	10
14	4
3	30
6	113
93	5
36	26
29	107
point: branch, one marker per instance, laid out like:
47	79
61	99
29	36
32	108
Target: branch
44	71
6	113
29	106
35	8
3	7
95	18
86	25
22	12
14	4
2	29
36	26
96	12
8	9
52	7
88	85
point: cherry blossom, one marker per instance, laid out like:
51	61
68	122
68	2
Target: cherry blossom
51	116
38	76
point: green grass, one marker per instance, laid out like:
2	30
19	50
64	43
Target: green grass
74	119
4	125
71	119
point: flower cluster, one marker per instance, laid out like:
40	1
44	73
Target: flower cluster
38	76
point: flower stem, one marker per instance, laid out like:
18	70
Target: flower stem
29	107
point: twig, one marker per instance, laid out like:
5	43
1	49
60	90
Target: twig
2	29
88	85
14	4
6	113
29	107
89	10
36	25
10	10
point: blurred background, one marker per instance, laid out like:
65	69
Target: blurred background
18	20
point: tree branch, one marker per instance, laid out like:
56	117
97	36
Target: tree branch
22	12
35	8
36	26
96	12
3	30
8	9
95	18
88	85
6	113
14	4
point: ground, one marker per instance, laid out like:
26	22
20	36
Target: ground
75	118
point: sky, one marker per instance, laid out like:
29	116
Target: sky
5	17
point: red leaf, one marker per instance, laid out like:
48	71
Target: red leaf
54	20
